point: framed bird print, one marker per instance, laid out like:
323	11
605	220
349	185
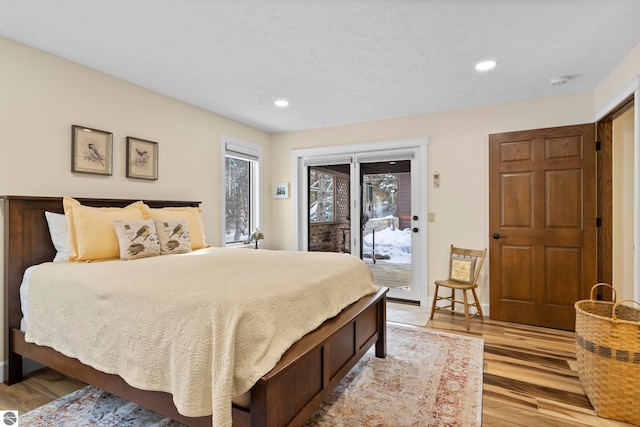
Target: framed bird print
91	150
142	158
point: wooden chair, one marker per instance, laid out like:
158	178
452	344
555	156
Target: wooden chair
464	269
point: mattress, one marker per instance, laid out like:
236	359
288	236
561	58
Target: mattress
202	326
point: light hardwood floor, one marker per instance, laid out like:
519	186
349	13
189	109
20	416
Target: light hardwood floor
529	377
530	374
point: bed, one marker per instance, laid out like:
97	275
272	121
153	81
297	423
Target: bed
286	395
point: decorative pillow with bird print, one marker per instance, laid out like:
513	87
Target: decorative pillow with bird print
174	236
137	239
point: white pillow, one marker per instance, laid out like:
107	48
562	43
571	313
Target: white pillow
59	231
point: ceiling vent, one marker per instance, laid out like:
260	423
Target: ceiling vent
558	81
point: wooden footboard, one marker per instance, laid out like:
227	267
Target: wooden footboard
287	395
313	366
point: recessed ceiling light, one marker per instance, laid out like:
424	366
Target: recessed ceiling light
281	103
486	65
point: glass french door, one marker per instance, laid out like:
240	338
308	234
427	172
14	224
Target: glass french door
369	208
329	208
389	216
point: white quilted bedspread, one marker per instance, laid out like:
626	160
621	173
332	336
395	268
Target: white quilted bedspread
203	326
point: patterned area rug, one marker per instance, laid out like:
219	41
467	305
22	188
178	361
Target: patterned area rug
428	379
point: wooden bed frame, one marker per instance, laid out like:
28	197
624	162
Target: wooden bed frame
287	395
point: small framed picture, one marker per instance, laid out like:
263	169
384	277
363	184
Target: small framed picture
142	158
91	150
281	190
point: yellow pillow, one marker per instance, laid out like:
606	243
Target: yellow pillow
92	235
192	216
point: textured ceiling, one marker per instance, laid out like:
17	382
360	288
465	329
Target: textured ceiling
336	61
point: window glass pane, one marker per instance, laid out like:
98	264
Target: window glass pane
320	196
238	199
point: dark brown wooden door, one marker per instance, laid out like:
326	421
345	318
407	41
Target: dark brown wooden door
542	219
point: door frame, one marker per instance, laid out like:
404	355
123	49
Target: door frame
348	154
632	88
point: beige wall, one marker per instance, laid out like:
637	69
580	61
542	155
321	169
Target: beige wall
622	74
458	149
41	96
623	216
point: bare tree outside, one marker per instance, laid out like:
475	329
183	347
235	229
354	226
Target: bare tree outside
384	195
321	196
237	195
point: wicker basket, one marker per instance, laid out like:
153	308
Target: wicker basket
608	353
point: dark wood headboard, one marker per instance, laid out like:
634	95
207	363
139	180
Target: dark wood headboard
27	242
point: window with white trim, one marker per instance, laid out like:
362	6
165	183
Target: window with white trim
241	186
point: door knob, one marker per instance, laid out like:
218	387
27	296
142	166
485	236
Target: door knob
496	235
415	229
